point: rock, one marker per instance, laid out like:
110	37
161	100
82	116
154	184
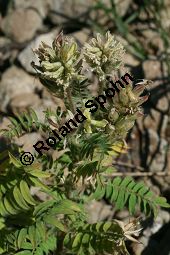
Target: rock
4	53
4	123
153	41
98	211
130	60
163	104
21	25
49	102
152	69
122	6
165	16
4	41
152	120
62	10
42	196
81	36
158	163
21	102
155	238
42	7
164	126
139	247
27	56
27	141
14	82
152	142
79	9
122	215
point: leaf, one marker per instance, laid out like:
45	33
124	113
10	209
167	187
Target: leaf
98	194
26	193
66	207
106	226
109	189
32	235
26	252
15	161
138	186
38	183
40	174
120	199
115	193
86	169
9	207
125	182
86	239
132	203
77	240
42	207
21	237
162	202
55	222
41	230
19	199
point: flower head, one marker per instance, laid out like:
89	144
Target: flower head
128	98
104	54
59	62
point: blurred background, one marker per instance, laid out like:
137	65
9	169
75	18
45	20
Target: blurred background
143	27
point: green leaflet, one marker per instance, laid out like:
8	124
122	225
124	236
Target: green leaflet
125	192
26	193
54	222
27	121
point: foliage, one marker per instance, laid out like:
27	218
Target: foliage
27	122
30	224
127	191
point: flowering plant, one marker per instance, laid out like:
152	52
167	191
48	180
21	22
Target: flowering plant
80	170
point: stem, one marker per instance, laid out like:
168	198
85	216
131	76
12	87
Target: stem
100	91
69	100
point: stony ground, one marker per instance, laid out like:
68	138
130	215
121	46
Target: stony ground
23	25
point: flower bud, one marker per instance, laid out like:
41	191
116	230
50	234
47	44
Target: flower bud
47	66
113	115
123	97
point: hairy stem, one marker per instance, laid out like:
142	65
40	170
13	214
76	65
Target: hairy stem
69	100
100	90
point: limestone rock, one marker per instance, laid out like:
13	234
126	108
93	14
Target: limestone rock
21	25
40	6
4	122
28	140
163	104
62	10
157	151
81	36
152	69
98	211
14	82
22	102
